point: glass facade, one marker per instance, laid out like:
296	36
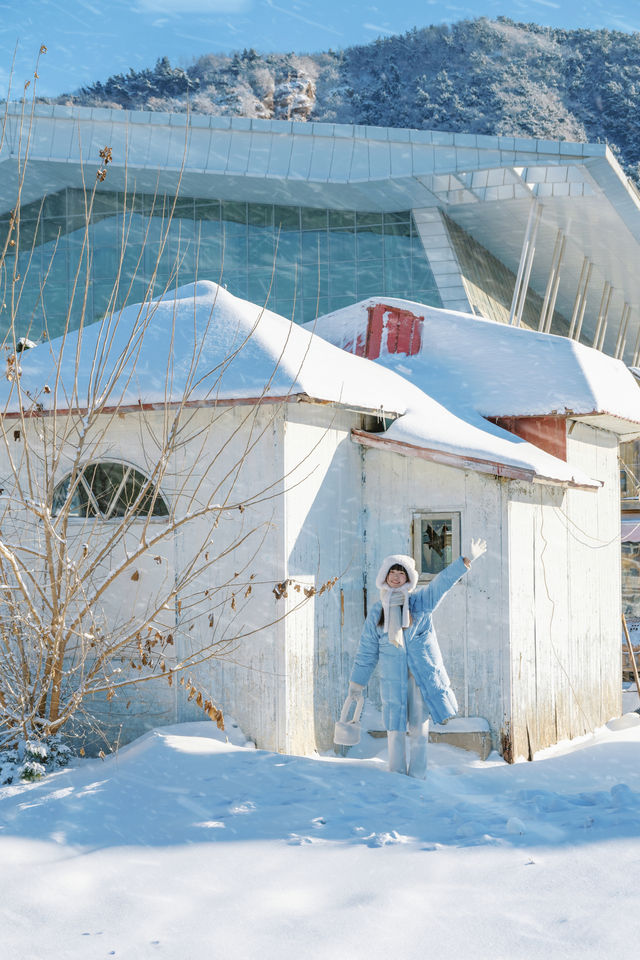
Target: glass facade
300	261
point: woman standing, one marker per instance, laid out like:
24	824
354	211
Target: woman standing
399	634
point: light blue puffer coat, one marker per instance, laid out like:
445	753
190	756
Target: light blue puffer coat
421	654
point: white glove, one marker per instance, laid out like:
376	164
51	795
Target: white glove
478	547
355	690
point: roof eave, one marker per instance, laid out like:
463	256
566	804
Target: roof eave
464	462
603	419
206	402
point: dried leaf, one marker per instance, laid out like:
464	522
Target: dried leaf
135	575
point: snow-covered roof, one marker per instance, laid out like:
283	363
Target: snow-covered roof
495	370
202	345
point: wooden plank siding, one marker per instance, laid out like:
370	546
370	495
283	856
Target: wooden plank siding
565	601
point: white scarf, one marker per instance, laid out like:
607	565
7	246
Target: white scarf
395	620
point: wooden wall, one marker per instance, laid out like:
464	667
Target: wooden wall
564	559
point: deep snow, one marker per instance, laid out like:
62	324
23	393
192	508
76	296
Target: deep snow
183	846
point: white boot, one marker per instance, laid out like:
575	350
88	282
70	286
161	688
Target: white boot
418	731
396	740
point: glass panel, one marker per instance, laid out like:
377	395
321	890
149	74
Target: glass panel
80	505
258	286
207	210
183	208
631	578
261	249
315	280
430	297
397	277
288	218
400	216
436	544
342	245
370	246
103	480
286	283
368	219
55	205
288	246
341	218
342	279
315	247
260	214
234	212
369	280
313	219
134	495
397	247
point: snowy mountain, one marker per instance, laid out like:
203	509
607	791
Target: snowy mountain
479	76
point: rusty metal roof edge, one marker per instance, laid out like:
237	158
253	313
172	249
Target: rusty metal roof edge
459	461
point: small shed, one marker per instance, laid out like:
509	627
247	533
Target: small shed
533	644
317	463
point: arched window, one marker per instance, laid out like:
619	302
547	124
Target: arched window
108	489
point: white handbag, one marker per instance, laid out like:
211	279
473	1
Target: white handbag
347	732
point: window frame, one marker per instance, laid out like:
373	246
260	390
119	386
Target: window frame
109	517
455	515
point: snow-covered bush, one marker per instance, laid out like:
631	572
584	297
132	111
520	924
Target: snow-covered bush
32	770
34	759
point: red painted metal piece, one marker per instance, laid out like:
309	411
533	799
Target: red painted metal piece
403	332
548	433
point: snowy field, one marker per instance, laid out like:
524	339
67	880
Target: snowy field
185	846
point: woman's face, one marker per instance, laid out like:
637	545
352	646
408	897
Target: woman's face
396	578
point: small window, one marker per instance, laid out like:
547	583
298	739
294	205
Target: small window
107	490
436	542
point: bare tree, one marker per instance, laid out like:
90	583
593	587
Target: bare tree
112	566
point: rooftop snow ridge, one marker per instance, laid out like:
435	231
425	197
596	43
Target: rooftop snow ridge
202	345
464	361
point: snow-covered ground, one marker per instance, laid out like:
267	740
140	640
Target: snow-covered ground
186	846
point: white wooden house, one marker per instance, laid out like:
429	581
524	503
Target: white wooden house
325	462
533	644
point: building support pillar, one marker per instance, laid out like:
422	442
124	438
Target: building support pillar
621	340
603	316
580	301
551	293
636	350
526	263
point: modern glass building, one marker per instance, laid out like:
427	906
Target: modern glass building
310	217
299	261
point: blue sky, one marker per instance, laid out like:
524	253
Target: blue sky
89	40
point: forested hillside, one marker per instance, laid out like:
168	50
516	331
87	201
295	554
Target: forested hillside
477	76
